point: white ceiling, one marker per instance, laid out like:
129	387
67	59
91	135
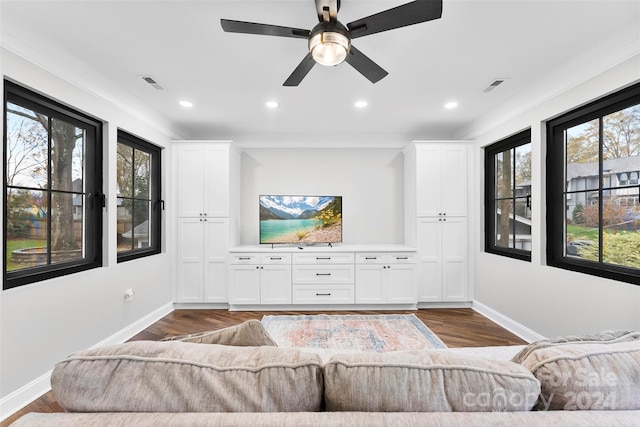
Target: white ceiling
540	46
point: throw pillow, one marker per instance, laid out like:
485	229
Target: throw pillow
600	337
595	372
426	381
248	334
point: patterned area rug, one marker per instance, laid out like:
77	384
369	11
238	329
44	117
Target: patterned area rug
379	333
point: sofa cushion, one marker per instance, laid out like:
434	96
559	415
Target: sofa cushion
149	376
250	333
587	374
426	381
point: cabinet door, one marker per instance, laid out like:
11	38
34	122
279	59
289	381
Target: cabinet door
454	259
190	260
275	284
216	245
244	284
429	277
371	284
190	181
216	180
428	180
401	287
454	180
441	179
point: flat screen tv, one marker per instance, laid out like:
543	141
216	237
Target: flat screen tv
300	219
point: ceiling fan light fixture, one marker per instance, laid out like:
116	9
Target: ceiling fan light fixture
329	48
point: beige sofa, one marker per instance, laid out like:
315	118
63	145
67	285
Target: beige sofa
237	376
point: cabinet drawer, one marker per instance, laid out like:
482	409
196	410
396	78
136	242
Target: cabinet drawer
275	259
245	259
386	258
402	258
320	258
323	294
370	258
323	274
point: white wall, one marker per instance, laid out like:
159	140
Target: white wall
548	300
370	182
44	322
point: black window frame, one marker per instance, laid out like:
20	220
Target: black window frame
155	199
556	185
509	143
92	182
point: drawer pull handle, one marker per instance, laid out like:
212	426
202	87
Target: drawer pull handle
371	257
323	295
243	258
323	274
402	257
275	258
328	257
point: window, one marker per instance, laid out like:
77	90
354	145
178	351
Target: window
52	184
508	197
139	204
592	188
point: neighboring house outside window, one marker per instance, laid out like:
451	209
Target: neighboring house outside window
53	182
592	188
138	204
508	197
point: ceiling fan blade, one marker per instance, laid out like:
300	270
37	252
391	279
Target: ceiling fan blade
327	10
231	26
365	66
407	14
301	71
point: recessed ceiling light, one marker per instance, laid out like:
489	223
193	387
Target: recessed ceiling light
361	104
186	104
451	105
272	104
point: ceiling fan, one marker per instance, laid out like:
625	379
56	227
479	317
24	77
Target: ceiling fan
330	41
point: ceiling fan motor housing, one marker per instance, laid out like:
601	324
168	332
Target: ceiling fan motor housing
329	43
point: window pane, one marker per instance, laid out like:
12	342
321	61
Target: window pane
143	171
621	244
66	227
504	174
621	134
125	221
26	147
124	176
26	230
523	169
66	155
582	154
141	224
503	223
582	226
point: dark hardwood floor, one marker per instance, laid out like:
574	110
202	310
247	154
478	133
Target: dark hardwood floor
456	327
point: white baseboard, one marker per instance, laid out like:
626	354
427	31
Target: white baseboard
26	394
509	324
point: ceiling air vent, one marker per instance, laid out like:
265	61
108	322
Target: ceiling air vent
152	82
493	85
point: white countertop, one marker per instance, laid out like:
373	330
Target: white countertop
323	247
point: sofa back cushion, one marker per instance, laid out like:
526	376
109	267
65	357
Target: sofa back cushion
148	376
426	381
250	333
588	374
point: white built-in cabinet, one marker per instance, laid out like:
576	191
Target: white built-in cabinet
257	279
321	278
437	186
206	179
385	278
